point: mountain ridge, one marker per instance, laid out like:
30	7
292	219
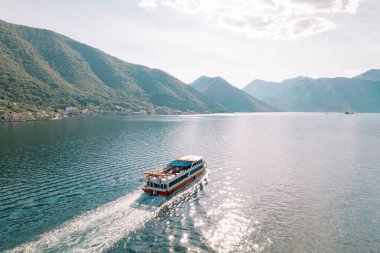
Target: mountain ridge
319	94
227	95
370	75
49	70
44	69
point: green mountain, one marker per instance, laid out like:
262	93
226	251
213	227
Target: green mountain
42	68
371	75
303	94
230	97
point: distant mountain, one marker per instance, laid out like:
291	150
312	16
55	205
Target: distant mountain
303	94
371	75
228	96
46	69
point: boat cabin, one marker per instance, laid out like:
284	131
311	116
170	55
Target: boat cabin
173	173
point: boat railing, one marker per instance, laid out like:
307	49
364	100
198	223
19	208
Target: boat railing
156	174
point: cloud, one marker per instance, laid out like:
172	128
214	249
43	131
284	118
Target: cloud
148	3
351	5
309	26
279	19
313	6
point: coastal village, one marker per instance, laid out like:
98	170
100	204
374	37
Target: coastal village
9	115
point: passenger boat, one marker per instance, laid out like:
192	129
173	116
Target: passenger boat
174	176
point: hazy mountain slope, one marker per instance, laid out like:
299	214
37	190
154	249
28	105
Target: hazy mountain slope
317	95
371	75
230	97
48	69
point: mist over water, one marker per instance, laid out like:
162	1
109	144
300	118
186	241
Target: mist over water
277	182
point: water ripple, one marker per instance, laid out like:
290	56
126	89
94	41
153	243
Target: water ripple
277	182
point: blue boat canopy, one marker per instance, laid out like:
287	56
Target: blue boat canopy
178	163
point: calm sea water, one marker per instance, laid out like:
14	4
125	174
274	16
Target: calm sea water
277	182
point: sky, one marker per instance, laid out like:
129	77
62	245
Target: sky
239	40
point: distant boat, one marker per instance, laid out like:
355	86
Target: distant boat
348	112
174	176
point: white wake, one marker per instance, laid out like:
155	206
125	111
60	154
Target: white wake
101	228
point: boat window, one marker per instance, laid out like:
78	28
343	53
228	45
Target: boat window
195	170
178	180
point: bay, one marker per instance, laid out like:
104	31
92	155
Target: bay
276	182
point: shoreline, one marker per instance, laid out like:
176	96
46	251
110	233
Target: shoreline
9	116
60	117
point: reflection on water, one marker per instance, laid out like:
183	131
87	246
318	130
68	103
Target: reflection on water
277	182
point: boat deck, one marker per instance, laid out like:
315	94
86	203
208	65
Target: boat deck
174	175
160	174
